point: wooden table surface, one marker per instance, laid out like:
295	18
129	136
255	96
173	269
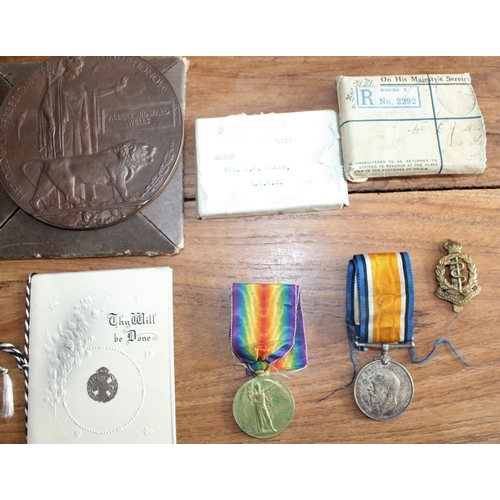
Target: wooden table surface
453	402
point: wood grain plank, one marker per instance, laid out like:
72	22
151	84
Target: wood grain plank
221	86
453	403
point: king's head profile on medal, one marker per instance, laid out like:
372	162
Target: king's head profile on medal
382	391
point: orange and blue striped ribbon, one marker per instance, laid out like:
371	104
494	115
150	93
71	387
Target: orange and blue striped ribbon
380	298
267	325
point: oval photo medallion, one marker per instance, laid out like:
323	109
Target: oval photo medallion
86	142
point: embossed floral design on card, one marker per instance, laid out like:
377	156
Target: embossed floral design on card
101	364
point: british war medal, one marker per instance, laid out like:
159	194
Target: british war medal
379	314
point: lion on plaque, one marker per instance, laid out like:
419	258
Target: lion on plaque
113	167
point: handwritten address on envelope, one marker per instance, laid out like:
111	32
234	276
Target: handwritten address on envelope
410	125
269	163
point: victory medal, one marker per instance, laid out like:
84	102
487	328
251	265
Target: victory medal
267	335
263	407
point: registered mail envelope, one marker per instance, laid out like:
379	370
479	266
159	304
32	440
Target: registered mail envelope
404	125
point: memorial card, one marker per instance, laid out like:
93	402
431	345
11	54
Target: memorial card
101	366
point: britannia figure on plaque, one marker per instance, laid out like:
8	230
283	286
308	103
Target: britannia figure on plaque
67	117
89	128
67	130
64	125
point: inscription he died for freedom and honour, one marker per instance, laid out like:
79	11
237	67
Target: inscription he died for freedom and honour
383	391
86	142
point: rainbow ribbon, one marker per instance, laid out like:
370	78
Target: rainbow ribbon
379	296
267	325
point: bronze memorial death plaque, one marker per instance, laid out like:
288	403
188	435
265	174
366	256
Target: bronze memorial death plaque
86	142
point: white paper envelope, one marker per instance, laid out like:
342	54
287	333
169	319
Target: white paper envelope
269	163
